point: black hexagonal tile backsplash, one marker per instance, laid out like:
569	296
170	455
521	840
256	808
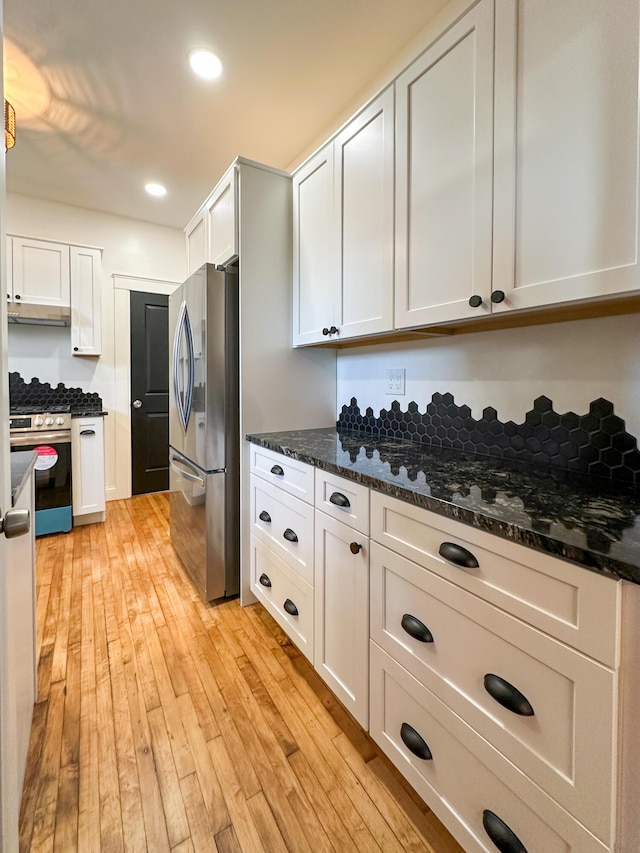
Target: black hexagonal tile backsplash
43	395
595	443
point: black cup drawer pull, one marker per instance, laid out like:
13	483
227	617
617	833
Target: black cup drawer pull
290	535
264	516
502	836
458	555
507	695
265	580
414	742
277	469
416	629
339	499
87	432
290	607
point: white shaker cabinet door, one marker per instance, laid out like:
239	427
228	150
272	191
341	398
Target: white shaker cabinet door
40	272
315	273
86	301
196	236
221	220
341	613
566	151
444	107
364	164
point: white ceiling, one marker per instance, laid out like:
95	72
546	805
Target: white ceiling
105	100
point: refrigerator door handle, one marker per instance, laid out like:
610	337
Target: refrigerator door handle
183	396
181	467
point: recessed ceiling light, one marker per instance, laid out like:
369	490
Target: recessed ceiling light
155	189
205	64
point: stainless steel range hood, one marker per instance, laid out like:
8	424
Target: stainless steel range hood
38	315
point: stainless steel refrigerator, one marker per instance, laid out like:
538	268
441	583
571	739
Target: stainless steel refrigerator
204	429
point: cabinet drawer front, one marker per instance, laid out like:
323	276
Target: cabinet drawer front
464	776
285	524
296	477
556	725
572	604
344	500
282	592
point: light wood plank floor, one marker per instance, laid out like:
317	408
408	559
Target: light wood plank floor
165	724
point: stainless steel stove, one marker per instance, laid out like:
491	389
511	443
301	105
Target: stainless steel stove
49	434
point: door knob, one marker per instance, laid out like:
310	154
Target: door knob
137	404
16	522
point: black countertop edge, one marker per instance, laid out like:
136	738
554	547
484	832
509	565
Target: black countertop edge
22	462
89	413
556	547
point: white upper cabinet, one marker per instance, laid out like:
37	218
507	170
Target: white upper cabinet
363	190
566	151
40	272
315	268
212	234
343	231
196	234
516	177
221	220
86	301
444	104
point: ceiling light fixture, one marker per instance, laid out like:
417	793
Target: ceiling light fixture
9	126
156	189
205	64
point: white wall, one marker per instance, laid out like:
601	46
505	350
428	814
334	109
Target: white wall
130	248
572	363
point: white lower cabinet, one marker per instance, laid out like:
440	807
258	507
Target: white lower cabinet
287	597
479	796
87	469
341	646
501	682
547	708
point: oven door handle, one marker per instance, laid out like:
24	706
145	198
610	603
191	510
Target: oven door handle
183	468
22	439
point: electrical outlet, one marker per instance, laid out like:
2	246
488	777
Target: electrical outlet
395	380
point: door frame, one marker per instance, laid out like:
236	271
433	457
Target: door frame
122	285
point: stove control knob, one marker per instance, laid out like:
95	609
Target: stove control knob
59	421
48	421
38	422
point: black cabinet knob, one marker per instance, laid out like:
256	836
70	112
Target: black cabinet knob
497	296
75	349
414	742
264	516
276	469
290	535
475	301
18	296
502	835
326	331
355	547
507	695
333	330
458	555
339	499
290	607
416	629
265	580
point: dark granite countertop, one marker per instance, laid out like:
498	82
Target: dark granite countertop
22	462
88	413
591	523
